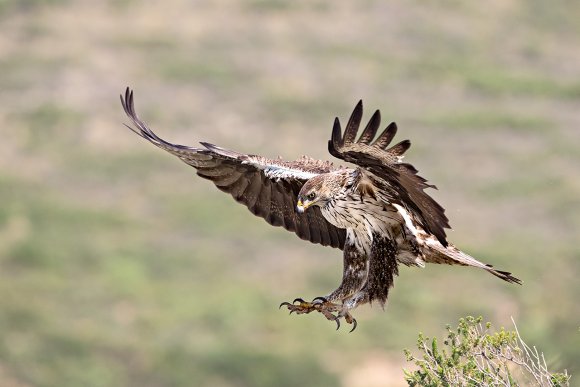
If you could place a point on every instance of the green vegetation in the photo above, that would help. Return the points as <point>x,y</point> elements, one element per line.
<point>473,356</point>
<point>119,267</point>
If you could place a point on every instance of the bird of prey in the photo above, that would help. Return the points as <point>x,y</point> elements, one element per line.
<point>375,211</point>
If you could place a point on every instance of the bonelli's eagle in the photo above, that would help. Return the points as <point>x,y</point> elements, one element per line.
<point>376,212</point>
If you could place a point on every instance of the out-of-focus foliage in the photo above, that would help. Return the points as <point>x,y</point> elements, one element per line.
<point>473,356</point>
<point>119,267</point>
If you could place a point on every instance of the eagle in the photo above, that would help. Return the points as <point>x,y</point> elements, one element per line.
<point>376,211</point>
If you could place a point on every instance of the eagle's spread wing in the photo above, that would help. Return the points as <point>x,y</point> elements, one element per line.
<point>401,181</point>
<point>269,188</point>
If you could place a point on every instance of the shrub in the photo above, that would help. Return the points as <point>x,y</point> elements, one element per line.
<point>474,356</point>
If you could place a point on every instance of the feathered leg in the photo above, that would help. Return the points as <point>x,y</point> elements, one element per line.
<point>354,278</point>
<point>383,268</point>
<point>354,275</point>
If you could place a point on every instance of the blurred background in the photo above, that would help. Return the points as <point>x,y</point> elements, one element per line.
<point>119,267</point>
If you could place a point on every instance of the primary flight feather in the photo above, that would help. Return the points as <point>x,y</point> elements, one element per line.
<point>378,212</point>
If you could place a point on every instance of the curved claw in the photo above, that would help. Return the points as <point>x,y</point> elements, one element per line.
<point>337,320</point>
<point>285,303</point>
<point>321,299</point>
<point>300,300</point>
<point>354,323</point>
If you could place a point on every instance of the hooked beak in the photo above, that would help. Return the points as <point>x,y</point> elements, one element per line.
<point>300,207</point>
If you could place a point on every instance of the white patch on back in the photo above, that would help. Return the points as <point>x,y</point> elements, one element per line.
<point>420,234</point>
<point>407,219</point>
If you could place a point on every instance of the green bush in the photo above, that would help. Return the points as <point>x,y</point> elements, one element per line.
<point>473,356</point>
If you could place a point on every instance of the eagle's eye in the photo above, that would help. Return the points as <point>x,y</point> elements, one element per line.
<point>311,196</point>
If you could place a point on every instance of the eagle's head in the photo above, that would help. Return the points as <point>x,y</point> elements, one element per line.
<point>319,190</point>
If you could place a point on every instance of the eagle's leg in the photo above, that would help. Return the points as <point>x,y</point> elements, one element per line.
<point>383,268</point>
<point>354,275</point>
<point>353,280</point>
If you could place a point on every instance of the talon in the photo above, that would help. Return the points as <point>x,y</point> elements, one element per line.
<point>354,323</point>
<point>319,304</point>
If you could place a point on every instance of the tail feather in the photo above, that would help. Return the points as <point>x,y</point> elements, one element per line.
<point>504,275</point>
<point>451,255</point>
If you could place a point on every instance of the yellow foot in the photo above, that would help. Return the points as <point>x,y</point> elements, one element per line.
<point>322,305</point>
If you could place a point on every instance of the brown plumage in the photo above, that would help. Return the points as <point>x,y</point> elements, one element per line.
<point>377,213</point>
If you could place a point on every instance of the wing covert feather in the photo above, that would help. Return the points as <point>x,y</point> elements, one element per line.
<point>268,188</point>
